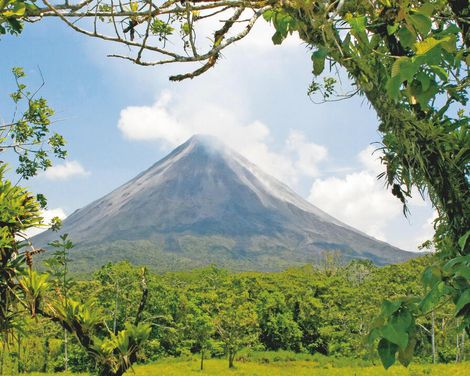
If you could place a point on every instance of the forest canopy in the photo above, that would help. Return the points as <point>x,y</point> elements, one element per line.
<point>212,313</point>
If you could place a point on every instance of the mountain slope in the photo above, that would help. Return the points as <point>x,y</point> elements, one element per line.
<point>205,203</point>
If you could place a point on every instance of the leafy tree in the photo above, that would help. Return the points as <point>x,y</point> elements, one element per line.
<point>57,266</point>
<point>200,328</point>
<point>236,322</point>
<point>18,211</point>
<point>113,353</point>
<point>278,330</point>
<point>28,135</point>
<point>119,284</point>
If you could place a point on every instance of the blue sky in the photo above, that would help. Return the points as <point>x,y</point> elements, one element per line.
<point>121,118</point>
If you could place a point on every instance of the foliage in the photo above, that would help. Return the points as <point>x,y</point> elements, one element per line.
<point>29,134</point>
<point>112,352</point>
<point>236,322</point>
<point>26,134</point>
<point>18,211</point>
<point>27,291</point>
<point>319,314</point>
<point>410,59</point>
<point>11,12</point>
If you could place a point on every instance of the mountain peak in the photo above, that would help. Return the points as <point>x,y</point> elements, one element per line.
<point>202,138</point>
<point>206,143</point>
<point>205,203</point>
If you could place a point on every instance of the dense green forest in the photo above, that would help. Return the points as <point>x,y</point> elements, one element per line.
<point>213,313</point>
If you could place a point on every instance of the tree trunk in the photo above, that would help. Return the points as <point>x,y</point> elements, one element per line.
<point>462,358</point>
<point>231,356</point>
<point>2,360</point>
<point>433,340</point>
<point>46,355</point>
<point>202,358</point>
<point>19,365</point>
<point>115,311</point>
<point>66,355</point>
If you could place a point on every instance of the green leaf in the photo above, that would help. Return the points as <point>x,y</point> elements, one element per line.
<point>426,45</point>
<point>421,22</point>
<point>431,275</point>
<point>424,79</point>
<point>393,87</point>
<point>433,296</point>
<point>455,261</point>
<point>448,43</point>
<point>389,307</point>
<point>425,96</point>
<point>406,355</point>
<point>18,10</point>
<point>391,29</point>
<point>463,240</point>
<point>463,300</point>
<point>387,351</point>
<point>405,68</point>
<point>268,15</point>
<point>463,271</point>
<point>406,37</point>
<point>318,58</point>
<point>391,333</point>
<point>373,335</point>
<point>277,38</point>
<point>402,320</point>
<point>427,9</point>
<point>358,24</point>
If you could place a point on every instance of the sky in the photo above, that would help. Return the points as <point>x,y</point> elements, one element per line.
<point>120,118</point>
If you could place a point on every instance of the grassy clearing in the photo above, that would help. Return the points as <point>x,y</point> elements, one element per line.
<point>297,368</point>
<point>285,363</point>
<point>286,368</point>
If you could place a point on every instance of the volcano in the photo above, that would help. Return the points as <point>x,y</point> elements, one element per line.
<point>206,204</point>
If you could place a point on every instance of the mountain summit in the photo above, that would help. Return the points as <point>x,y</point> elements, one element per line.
<point>205,203</point>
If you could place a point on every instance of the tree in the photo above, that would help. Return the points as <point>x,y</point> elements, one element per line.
<point>236,321</point>
<point>119,284</point>
<point>22,289</point>
<point>113,353</point>
<point>278,330</point>
<point>57,266</point>
<point>28,135</point>
<point>200,328</point>
<point>409,59</point>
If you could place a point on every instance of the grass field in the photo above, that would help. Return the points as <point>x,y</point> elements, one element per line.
<point>297,368</point>
<point>294,368</point>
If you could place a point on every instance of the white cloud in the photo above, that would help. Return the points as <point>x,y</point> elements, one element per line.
<point>47,217</point>
<point>171,121</point>
<point>359,199</point>
<point>426,232</point>
<point>370,159</point>
<point>309,154</point>
<point>65,171</point>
